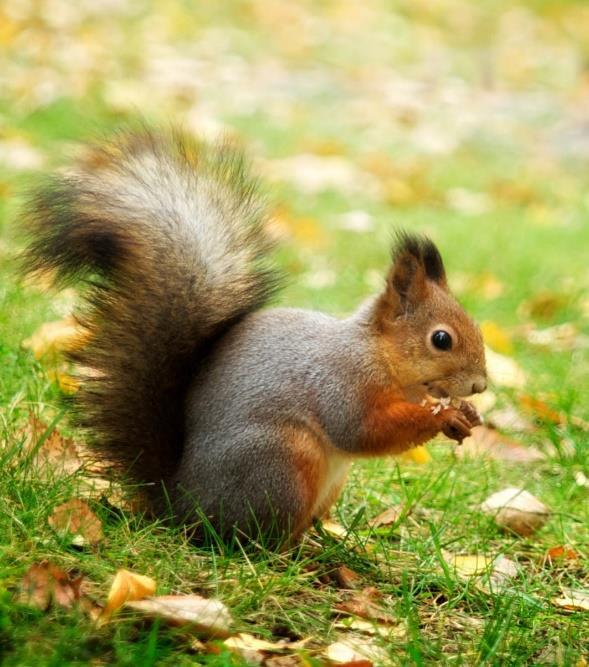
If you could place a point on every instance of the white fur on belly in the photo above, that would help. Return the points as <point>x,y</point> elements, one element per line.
<point>337,471</point>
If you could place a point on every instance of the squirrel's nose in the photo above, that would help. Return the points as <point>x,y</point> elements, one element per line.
<point>479,386</point>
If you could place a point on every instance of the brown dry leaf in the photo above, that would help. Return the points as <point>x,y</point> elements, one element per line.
<point>387,518</point>
<point>346,577</point>
<point>365,604</point>
<point>74,518</point>
<point>487,442</point>
<point>573,600</point>
<point>53,338</point>
<point>56,455</point>
<point>45,583</point>
<point>127,586</point>
<point>206,616</point>
<point>516,510</point>
<point>496,337</point>
<point>560,554</point>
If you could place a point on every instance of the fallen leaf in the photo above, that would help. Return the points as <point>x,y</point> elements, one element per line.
<point>544,305</point>
<point>509,418</point>
<point>387,518</point>
<point>503,570</point>
<point>126,587</point>
<point>573,600</point>
<point>387,631</point>
<point>504,371</point>
<point>494,571</point>
<point>516,510</point>
<point>346,578</point>
<point>468,566</point>
<point>496,337</point>
<point>67,383</point>
<point>44,583</point>
<point>356,652</point>
<point>56,454</point>
<point>560,553</point>
<point>255,651</point>
<point>488,442</point>
<point>417,454</point>
<point>365,604</point>
<point>206,616</point>
<point>560,338</point>
<point>75,519</point>
<point>54,338</point>
<point>243,640</point>
<point>334,528</point>
<point>540,410</point>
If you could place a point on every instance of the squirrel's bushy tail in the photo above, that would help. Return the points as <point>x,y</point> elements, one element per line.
<point>170,236</point>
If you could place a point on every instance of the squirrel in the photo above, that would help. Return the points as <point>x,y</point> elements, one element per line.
<point>231,415</point>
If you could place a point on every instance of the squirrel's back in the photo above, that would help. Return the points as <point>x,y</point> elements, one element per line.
<point>171,237</point>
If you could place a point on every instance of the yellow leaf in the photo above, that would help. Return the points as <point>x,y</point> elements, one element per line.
<point>469,566</point>
<point>56,337</point>
<point>417,455</point>
<point>334,528</point>
<point>67,383</point>
<point>496,338</point>
<point>127,586</point>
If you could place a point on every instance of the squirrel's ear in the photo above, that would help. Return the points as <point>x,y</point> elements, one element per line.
<point>406,284</point>
<point>416,260</point>
<point>412,254</point>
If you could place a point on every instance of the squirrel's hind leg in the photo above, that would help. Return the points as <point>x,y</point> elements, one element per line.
<point>264,483</point>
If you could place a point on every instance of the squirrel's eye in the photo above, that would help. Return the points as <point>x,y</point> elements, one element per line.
<point>441,339</point>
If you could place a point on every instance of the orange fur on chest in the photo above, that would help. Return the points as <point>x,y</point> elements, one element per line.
<point>391,424</point>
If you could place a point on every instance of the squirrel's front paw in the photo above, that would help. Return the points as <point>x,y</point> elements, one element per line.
<point>454,424</point>
<point>471,413</point>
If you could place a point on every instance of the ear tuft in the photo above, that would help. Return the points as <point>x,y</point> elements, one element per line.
<point>424,251</point>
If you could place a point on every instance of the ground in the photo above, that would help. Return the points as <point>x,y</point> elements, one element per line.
<point>465,121</point>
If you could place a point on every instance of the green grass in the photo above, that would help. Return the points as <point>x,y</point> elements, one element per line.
<point>532,237</point>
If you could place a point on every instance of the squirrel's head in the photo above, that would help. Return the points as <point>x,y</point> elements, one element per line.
<point>435,346</point>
